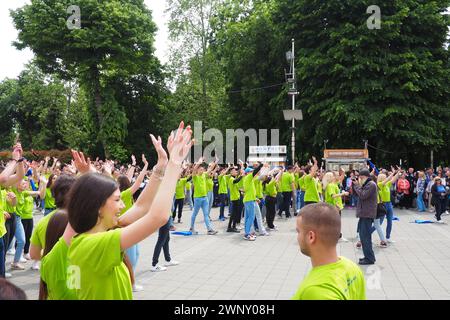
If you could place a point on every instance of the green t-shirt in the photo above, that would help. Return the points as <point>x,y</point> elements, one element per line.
<point>338,201</point>
<point>223,184</point>
<point>249,188</point>
<point>342,280</point>
<point>385,191</point>
<point>102,272</point>
<point>188,186</point>
<point>258,188</point>
<point>49,200</point>
<point>330,190</point>
<point>24,207</point>
<point>179,190</point>
<point>301,183</point>
<point>54,272</point>
<point>199,182</point>
<point>234,189</point>
<point>286,180</point>
<point>271,188</point>
<point>127,198</point>
<point>38,235</point>
<point>6,206</point>
<point>2,216</point>
<point>311,189</point>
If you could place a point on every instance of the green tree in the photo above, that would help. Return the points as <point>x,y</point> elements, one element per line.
<point>115,40</point>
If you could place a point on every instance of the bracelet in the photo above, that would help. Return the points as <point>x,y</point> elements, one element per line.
<point>159,173</point>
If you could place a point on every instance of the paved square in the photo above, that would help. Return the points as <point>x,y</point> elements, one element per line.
<point>226,267</point>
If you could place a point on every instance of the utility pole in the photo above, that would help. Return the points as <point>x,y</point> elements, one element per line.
<point>293,114</point>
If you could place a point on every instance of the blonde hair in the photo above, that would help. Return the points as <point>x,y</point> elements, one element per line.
<point>327,179</point>
<point>421,174</point>
<point>381,177</point>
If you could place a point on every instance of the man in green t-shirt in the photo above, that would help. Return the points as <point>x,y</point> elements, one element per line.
<point>223,191</point>
<point>199,177</point>
<point>332,277</point>
<point>311,183</point>
<point>287,189</point>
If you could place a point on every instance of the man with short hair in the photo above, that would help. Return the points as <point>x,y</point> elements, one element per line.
<point>366,211</point>
<point>332,277</point>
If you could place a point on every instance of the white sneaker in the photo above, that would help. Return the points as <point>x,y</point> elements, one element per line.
<point>446,213</point>
<point>158,268</point>
<point>35,265</point>
<point>440,222</point>
<point>11,252</point>
<point>390,241</point>
<point>137,288</point>
<point>8,275</point>
<point>171,263</point>
<point>27,256</point>
<point>23,260</point>
<point>343,240</point>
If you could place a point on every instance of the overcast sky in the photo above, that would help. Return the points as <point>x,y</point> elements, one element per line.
<point>12,61</point>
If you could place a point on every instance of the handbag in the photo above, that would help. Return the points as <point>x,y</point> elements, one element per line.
<point>381,208</point>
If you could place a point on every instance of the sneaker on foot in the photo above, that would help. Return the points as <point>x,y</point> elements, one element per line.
<point>27,256</point>
<point>383,244</point>
<point>390,241</point>
<point>264,234</point>
<point>249,238</point>
<point>193,231</point>
<point>358,244</point>
<point>212,232</point>
<point>8,275</point>
<point>11,252</point>
<point>35,265</point>
<point>137,288</point>
<point>172,228</point>
<point>157,268</point>
<point>17,266</point>
<point>22,260</point>
<point>171,263</point>
<point>343,240</point>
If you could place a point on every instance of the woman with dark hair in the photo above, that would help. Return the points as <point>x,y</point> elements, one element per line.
<point>54,284</point>
<point>60,190</point>
<point>97,251</point>
<point>438,198</point>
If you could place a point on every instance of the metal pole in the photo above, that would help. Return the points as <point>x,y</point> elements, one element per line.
<point>293,103</point>
<point>432,159</point>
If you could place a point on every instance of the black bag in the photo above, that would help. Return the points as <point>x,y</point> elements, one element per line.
<point>381,210</point>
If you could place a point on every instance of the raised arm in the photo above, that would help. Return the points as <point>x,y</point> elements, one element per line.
<point>132,168</point>
<point>157,216</point>
<point>314,168</point>
<point>7,177</point>
<point>141,176</point>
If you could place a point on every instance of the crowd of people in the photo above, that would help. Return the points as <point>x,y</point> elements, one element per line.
<point>95,211</point>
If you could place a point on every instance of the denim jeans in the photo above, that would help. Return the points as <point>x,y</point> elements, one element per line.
<point>420,203</point>
<point>365,234</point>
<point>133,255</point>
<point>377,226</point>
<point>389,218</point>
<point>249,216</point>
<point>210,196</point>
<point>162,243</point>
<point>258,216</point>
<point>298,202</point>
<point>204,205</point>
<point>2,258</point>
<point>20,239</point>
<point>48,210</point>
<point>189,198</point>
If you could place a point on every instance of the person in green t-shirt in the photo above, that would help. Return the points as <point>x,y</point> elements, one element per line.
<point>311,183</point>
<point>269,186</point>
<point>384,186</point>
<point>47,194</point>
<point>287,188</point>
<point>199,179</point>
<point>223,191</point>
<point>96,253</point>
<point>179,197</point>
<point>37,242</point>
<point>54,266</point>
<point>332,277</point>
<point>234,185</point>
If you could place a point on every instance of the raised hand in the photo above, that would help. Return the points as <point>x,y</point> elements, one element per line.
<point>181,144</point>
<point>80,162</point>
<point>144,160</point>
<point>17,151</point>
<point>162,155</point>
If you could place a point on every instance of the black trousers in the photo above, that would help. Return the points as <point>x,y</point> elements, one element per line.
<point>439,205</point>
<point>286,204</point>
<point>270,210</point>
<point>178,204</point>
<point>235,213</point>
<point>28,227</point>
<point>10,225</point>
<point>162,243</point>
<point>309,202</point>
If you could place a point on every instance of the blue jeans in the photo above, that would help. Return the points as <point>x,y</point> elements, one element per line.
<point>302,199</point>
<point>420,203</point>
<point>204,205</point>
<point>258,218</point>
<point>210,196</point>
<point>377,226</point>
<point>389,217</point>
<point>2,258</point>
<point>365,234</point>
<point>133,255</point>
<point>189,198</point>
<point>249,216</point>
<point>48,210</point>
<point>20,239</point>
<point>162,243</point>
